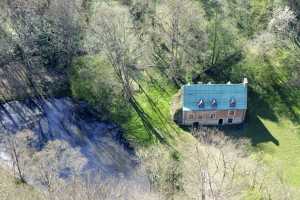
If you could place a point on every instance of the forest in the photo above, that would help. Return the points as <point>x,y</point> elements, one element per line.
<point>122,63</point>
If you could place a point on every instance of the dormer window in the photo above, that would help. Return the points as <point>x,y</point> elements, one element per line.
<point>232,102</point>
<point>214,103</point>
<point>201,103</point>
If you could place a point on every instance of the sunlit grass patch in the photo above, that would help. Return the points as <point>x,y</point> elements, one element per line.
<point>155,97</point>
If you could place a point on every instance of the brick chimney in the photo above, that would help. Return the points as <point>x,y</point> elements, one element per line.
<point>245,81</point>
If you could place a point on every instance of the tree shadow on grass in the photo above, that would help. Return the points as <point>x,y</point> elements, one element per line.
<point>253,127</point>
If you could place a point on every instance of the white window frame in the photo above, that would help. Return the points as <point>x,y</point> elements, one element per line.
<point>213,113</point>
<point>198,116</point>
<point>230,118</point>
<point>189,116</point>
<point>228,114</point>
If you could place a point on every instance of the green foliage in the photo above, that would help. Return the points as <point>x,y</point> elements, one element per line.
<point>268,65</point>
<point>93,80</point>
<point>19,181</point>
<point>155,100</point>
<point>179,39</point>
<point>272,125</point>
<point>260,12</point>
<point>175,156</point>
<point>223,39</point>
<point>184,38</point>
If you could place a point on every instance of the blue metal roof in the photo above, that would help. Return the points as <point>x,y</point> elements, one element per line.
<point>222,93</point>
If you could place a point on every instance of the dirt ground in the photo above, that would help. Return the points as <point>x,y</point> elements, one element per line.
<point>176,108</point>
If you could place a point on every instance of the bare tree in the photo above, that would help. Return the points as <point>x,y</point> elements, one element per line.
<point>179,38</point>
<point>119,44</point>
<point>40,34</point>
<point>282,22</point>
<point>97,187</point>
<point>226,171</point>
<point>216,167</point>
<point>17,165</point>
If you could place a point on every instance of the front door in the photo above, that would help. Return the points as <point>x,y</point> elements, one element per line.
<point>196,125</point>
<point>220,121</point>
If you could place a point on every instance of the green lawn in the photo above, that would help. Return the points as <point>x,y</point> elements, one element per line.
<point>273,127</point>
<point>283,157</point>
<point>153,94</point>
<point>155,99</point>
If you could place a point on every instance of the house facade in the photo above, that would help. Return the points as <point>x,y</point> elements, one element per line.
<point>214,104</point>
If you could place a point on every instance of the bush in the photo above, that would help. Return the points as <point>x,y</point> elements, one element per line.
<point>93,80</point>
<point>268,63</point>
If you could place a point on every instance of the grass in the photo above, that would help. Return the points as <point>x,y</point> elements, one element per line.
<point>90,73</point>
<point>11,189</point>
<point>155,100</point>
<point>272,124</point>
<point>284,157</point>
<point>273,127</point>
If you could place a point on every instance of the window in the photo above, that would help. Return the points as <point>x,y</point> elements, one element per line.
<point>213,116</point>
<point>214,103</point>
<point>200,117</point>
<point>230,120</point>
<point>232,102</point>
<point>231,112</point>
<point>191,116</point>
<point>201,103</point>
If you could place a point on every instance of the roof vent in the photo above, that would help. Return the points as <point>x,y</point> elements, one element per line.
<point>214,103</point>
<point>201,103</point>
<point>232,102</point>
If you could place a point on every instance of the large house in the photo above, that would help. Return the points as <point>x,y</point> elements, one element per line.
<point>214,104</point>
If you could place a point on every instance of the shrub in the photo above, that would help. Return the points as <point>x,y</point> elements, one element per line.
<point>93,80</point>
